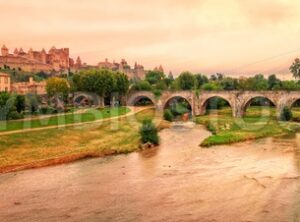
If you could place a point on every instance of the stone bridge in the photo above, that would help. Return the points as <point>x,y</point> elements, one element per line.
<point>238,100</point>
<point>93,98</point>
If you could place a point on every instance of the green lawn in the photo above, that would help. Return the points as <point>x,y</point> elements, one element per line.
<point>258,122</point>
<point>69,118</point>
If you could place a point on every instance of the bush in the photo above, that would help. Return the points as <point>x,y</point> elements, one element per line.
<point>149,133</point>
<point>179,108</point>
<point>211,127</point>
<point>32,102</point>
<point>157,93</point>
<point>286,114</point>
<point>15,115</point>
<point>48,110</point>
<point>168,115</point>
<point>20,103</point>
<point>142,86</point>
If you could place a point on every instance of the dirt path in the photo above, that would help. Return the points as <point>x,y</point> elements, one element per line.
<point>133,110</point>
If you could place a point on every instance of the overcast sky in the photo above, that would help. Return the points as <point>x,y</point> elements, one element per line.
<point>230,36</point>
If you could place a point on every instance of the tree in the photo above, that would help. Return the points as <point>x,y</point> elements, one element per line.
<point>108,82</point>
<point>258,82</point>
<point>20,103</point>
<point>57,86</point>
<point>286,114</point>
<point>142,86</point>
<point>211,86</point>
<point>200,80</point>
<point>161,85</point>
<point>122,83</point>
<point>168,115</point>
<point>6,105</point>
<point>169,80</point>
<point>77,82</point>
<point>228,83</point>
<point>149,133</point>
<point>295,68</point>
<point>154,76</point>
<point>290,85</point>
<point>186,81</point>
<point>273,82</point>
<point>4,96</point>
<point>32,103</point>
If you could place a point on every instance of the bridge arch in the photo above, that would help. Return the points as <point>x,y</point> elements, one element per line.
<point>174,97</point>
<point>168,96</point>
<point>178,105</point>
<point>88,98</point>
<point>205,102</point>
<point>136,96</point>
<point>265,100</point>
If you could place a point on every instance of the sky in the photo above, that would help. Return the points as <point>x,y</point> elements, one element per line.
<point>235,37</point>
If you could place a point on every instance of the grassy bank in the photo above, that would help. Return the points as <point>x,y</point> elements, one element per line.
<point>55,146</point>
<point>70,118</point>
<point>258,122</point>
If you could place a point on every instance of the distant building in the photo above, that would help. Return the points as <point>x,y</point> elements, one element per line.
<point>34,61</point>
<point>31,87</point>
<point>137,72</point>
<point>4,82</point>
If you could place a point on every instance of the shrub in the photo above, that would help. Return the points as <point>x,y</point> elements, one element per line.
<point>149,133</point>
<point>157,93</point>
<point>179,108</point>
<point>32,102</point>
<point>20,103</point>
<point>168,115</point>
<point>15,115</point>
<point>286,114</point>
<point>48,110</point>
<point>142,86</point>
<point>211,127</point>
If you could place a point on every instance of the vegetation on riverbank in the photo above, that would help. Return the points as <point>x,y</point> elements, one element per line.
<point>69,118</point>
<point>56,146</point>
<point>259,122</point>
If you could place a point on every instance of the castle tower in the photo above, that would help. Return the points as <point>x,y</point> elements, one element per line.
<point>44,56</point>
<point>21,51</point>
<point>78,62</point>
<point>30,53</point>
<point>16,52</point>
<point>4,51</point>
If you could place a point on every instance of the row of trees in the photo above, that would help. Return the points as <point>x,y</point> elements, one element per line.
<point>103,82</point>
<point>12,106</point>
<point>189,81</point>
<point>158,81</point>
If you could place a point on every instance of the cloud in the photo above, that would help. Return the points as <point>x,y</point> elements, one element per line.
<point>200,35</point>
<point>261,12</point>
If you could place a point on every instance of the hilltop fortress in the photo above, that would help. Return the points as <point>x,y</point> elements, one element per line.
<point>137,72</point>
<point>55,60</point>
<point>58,61</point>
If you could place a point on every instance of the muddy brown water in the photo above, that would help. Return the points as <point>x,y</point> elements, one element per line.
<point>178,181</point>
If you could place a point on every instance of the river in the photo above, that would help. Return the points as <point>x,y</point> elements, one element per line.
<point>178,181</point>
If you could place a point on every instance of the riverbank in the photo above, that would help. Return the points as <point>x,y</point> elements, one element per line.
<point>259,122</point>
<point>87,115</point>
<point>177,181</point>
<point>56,146</point>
